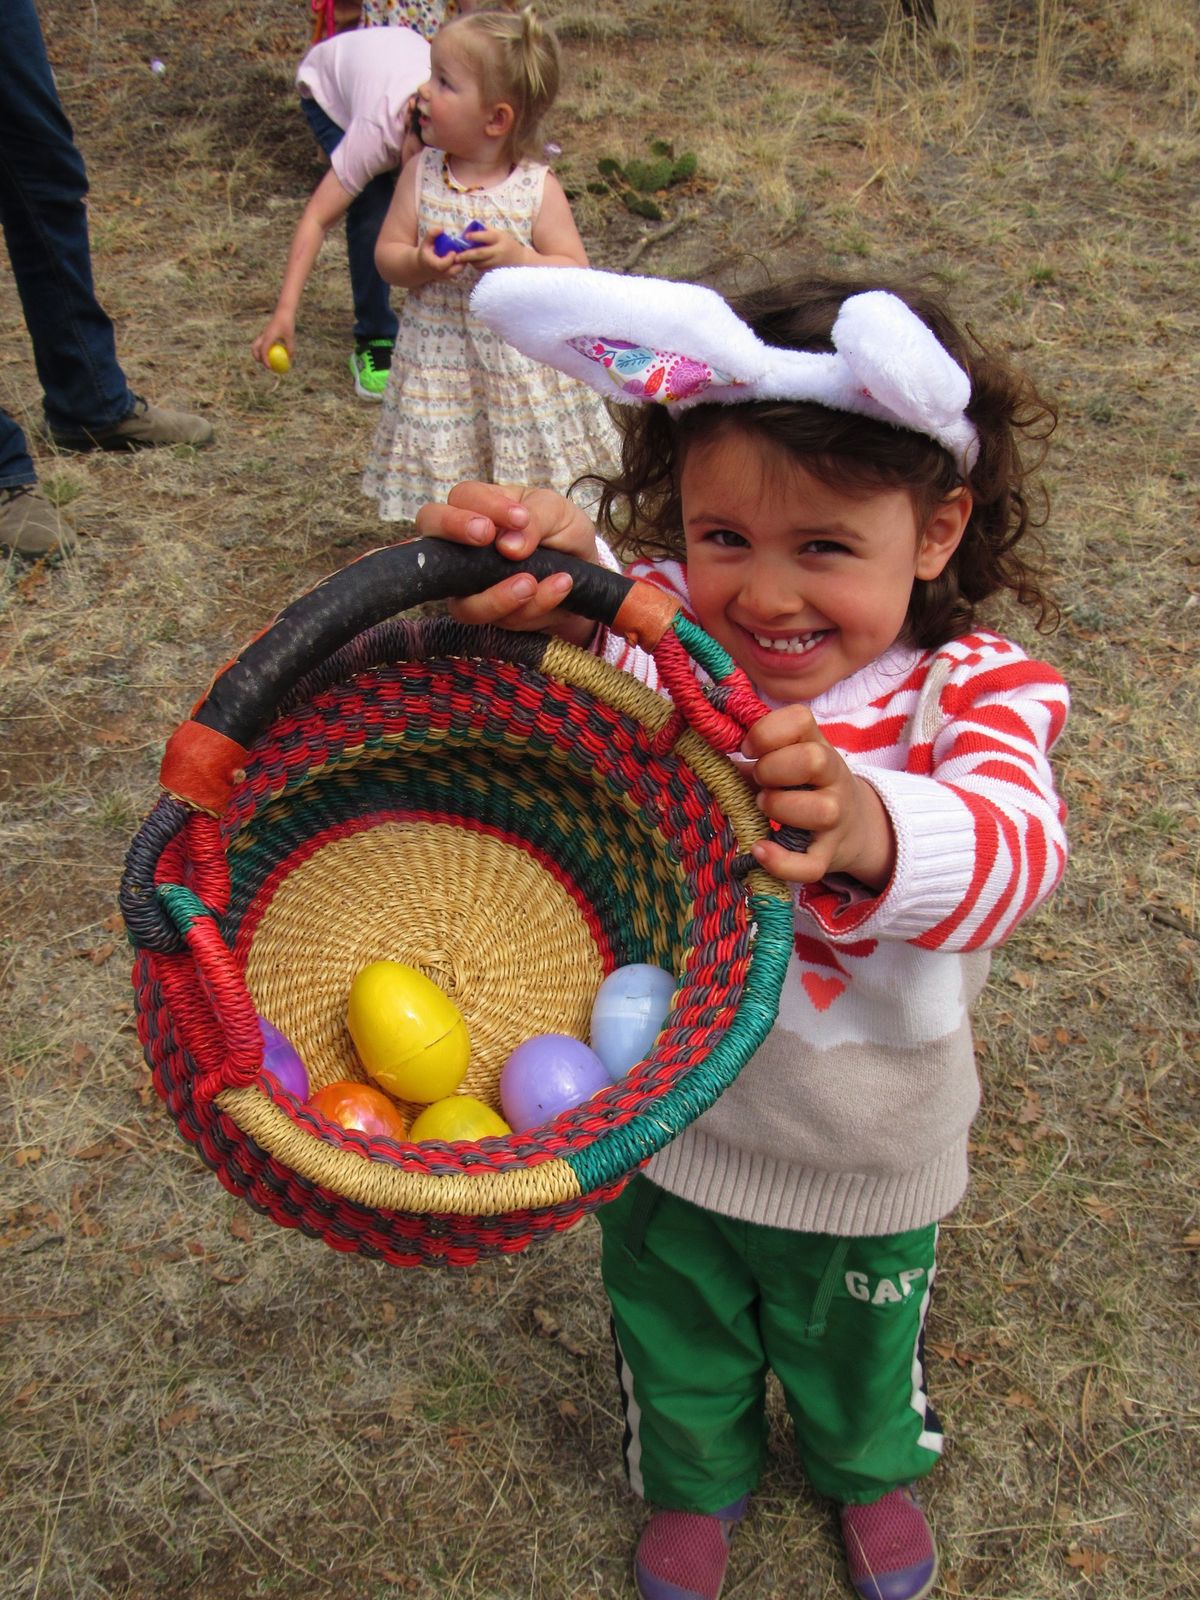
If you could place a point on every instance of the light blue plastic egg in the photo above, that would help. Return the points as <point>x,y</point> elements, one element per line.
<point>627,1014</point>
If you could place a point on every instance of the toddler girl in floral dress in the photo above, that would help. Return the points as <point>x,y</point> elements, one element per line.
<point>461,403</point>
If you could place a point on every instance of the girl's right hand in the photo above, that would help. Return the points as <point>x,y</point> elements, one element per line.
<point>516,519</point>
<point>436,266</point>
<point>280,330</point>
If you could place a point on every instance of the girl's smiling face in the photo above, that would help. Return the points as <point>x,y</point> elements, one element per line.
<point>802,583</point>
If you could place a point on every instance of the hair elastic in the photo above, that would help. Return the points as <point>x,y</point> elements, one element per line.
<point>680,344</point>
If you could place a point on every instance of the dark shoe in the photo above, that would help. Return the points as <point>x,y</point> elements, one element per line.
<point>147,427</point>
<point>370,365</point>
<point>682,1555</point>
<point>30,525</point>
<point>889,1548</point>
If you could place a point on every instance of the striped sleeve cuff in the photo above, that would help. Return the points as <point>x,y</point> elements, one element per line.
<point>936,856</point>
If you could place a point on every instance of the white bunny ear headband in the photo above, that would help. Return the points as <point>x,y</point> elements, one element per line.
<point>648,339</point>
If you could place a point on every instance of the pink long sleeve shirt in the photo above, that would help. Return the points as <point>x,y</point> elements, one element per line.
<point>363,80</point>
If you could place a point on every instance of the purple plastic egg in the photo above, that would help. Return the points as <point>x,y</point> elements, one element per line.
<point>281,1060</point>
<point>546,1075</point>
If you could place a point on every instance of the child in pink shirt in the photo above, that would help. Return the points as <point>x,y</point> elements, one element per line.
<point>356,91</point>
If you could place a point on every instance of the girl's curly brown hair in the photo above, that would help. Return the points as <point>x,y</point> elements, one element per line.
<point>639,506</point>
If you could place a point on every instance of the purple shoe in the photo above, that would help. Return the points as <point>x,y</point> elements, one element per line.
<point>682,1555</point>
<point>889,1548</point>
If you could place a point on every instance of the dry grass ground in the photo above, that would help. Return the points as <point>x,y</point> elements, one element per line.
<point>199,1404</point>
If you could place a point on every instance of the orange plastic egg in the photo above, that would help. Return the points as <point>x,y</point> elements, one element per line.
<point>358,1106</point>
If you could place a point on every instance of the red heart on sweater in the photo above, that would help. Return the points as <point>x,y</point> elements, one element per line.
<point>821,991</point>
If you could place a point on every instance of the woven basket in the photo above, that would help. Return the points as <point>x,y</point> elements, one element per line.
<point>505,812</point>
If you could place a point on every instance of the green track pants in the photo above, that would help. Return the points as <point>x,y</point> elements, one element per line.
<point>703,1305</point>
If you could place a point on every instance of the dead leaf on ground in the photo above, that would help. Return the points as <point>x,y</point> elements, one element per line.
<point>1088,1561</point>
<point>949,1351</point>
<point>178,1418</point>
<point>547,1326</point>
<point>1031,1109</point>
<point>97,954</point>
<point>1100,1209</point>
<point>1020,1400</point>
<point>93,1152</point>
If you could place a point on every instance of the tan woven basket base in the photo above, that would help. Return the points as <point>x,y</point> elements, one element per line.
<point>481,918</point>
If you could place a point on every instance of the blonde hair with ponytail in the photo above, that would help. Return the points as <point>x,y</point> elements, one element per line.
<point>518,62</point>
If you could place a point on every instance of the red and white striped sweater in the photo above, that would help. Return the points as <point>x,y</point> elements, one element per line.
<point>853,1116</point>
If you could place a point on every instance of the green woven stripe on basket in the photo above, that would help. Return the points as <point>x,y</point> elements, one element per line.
<point>623,1148</point>
<point>715,660</point>
<point>621,866</point>
<point>608,848</point>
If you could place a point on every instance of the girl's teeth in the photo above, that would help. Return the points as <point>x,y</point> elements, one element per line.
<point>788,647</point>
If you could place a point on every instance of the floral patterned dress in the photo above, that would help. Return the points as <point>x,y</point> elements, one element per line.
<point>426,16</point>
<point>460,402</point>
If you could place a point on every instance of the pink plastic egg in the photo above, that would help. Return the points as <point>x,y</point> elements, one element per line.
<point>282,1061</point>
<point>546,1075</point>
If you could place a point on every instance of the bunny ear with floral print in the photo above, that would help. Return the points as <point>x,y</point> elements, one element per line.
<point>639,340</point>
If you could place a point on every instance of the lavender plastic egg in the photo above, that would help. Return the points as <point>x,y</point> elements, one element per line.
<point>282,1061</point>
<point>546,1075</point>
<point>629,1009</point>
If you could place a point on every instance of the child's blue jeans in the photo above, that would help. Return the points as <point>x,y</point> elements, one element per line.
<point>373,314</point>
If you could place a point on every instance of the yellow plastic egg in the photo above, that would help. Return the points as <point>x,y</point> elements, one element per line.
<point>458,1116</point>
<point>410,1037</point>
<point>278,359</point>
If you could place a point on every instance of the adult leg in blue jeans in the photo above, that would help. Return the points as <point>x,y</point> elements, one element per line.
<point>375,322</point>
<point>86,400</point>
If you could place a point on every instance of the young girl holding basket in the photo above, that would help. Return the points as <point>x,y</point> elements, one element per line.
<point>835,485</point>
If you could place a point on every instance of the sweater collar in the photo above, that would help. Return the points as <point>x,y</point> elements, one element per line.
<point>879,677</point>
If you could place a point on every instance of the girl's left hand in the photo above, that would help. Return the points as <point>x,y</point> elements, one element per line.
<point>804,782</point>
<point>495,249</point>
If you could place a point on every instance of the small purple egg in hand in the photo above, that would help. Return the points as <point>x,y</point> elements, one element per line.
<point>546,1075</point>
<point>282,1061</point>
<point>630,1007</point>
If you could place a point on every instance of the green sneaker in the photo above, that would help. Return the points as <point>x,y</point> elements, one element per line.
<point>370,364</point>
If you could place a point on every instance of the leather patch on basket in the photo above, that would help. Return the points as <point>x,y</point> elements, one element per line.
<point>199,764</point>
<point>645,614</point>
